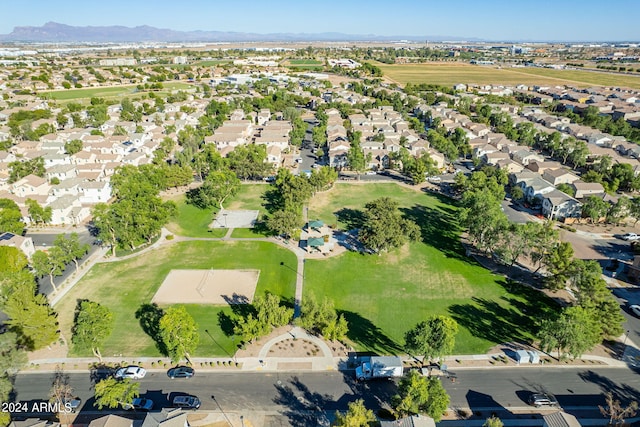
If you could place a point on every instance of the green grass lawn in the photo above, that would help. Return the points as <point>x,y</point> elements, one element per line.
<point>384,296</point>
<point>305,62</point>
<point>194,222</point>
<point>451,73</point>
<point>107,92</point>
<point>125,286</point>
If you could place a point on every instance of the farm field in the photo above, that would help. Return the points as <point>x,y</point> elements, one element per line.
<point>383,296</point>
<point>448,74</point>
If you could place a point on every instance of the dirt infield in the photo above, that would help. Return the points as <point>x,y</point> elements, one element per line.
<point>208,287</point>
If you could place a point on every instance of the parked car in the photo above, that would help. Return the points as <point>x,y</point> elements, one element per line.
<point>635,309</point>
<point>132,372</point>
<point>186,402</point>
<point>72,404</point>
<point>630,237</point>
<point>542,399</point>
<point>181,372</point>
<point>139,404</point>
<point>370,173</point>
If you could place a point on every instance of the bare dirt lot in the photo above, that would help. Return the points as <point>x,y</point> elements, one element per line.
<point>208,287</point>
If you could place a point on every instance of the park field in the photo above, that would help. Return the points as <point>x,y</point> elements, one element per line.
<point>449,74</point>
<point>125,286</point>
<point>383,296</point>
<point>107,92</point>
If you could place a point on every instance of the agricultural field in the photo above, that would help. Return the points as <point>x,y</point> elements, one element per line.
<point>448,74</point>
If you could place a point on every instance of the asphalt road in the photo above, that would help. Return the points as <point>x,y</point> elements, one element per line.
<point>577,389</point>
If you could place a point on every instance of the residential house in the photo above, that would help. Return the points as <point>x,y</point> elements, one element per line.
<point>560,419</point>
<point>524,157</point>
<point>61,172</point>
<point>167,417</point>
<point>37,422</point>
<point>112,421</point>
<point>30,185</point>
<point>494,157</point>
<point>68,210</point>
<point>559,176</point>
<point>509,165</point>
<point>558,205</point>
<point>274,155</point>
<point>586,189</point>
<point>92,192</point>
<point>536,188</point>
<point>24,244</point>
<point>410,421</point>
<point>541,166</point>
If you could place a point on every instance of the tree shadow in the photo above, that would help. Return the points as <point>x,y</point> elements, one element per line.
<point>303,407</point>
<point>623,392</point>
<point>439,228</point>
<point>272,199</point>
<point>351,218</point>
<point>368,335</point>
<point>489,320</point>
<point>227,323</point>
<point>235,299</point>
<point>149,316</point>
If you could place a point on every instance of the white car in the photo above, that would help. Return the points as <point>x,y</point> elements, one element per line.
<point>635,309</point>
<point>630,237</point>
<point>131,372</point>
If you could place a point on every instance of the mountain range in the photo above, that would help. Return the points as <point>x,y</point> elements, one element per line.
<point>56,33</point>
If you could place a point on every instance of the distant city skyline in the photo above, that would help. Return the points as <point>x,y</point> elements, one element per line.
<point>492,20</point>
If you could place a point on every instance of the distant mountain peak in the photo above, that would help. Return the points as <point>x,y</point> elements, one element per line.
<point>57,32</point>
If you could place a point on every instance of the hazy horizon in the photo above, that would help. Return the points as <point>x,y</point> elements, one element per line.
<point>491,20</point>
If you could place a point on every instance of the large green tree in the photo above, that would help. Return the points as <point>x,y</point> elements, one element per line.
<point>216,188</point>
<point>112,393</point>
<point>72,248</point>
<point>357,415</point>
<point>12,259</point>
<point>385,227</point>
<point>179,332</point>
<point>12,356</point>
<point>49,263</point>
<point>418,394</point>
<point>575,331</point>
<point>92,326</point>
<point>10,217</point>
<point>284,222</point>
<point>432,338</point>
<point>30,315</point>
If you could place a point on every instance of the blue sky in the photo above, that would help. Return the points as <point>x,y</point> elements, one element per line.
<point>612,20</point>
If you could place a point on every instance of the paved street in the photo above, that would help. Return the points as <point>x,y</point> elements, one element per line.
<point>578,389</point>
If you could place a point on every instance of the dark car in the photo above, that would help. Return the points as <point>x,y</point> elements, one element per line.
<point>542,399</point>
<point>186,402</point>
<point>181,372</point>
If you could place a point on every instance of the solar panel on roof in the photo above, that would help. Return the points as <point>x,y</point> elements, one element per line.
<point>6,236</point>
